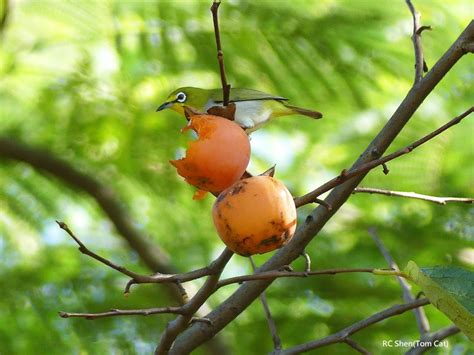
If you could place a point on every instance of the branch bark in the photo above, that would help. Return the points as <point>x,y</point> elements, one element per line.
<point>248,292</point>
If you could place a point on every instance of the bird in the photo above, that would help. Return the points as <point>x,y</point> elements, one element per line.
<point>253,108</point>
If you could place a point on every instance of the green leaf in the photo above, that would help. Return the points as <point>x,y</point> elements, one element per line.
<point>450,289</point>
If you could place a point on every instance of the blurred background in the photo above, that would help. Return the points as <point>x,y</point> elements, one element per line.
<point>81,80</point>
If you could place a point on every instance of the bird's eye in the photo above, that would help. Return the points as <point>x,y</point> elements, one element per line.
<point>181,97</point>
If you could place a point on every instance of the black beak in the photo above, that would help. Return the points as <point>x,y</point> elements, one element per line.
<point>164,106</point>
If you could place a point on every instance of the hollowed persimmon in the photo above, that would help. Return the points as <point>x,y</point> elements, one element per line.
<point>255,215</point>
<point>218,157</point>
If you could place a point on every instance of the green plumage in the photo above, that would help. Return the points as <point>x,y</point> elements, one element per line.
<point>253,108</point>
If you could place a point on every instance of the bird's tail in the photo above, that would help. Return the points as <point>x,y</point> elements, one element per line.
<point>305,112</point>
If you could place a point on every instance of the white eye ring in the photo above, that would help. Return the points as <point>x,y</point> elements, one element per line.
<point>181,97</point>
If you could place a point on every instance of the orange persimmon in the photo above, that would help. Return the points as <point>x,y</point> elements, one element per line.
<point>255,215</point>
<point>219,156</point>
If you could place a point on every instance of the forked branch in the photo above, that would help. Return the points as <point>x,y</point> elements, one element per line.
<point>346,175</point>
<point>420,65</point>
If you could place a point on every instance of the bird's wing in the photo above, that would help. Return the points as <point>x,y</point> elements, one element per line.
<point>237,95</point>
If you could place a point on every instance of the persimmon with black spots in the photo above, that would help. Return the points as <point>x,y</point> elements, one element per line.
<point>255,215</point>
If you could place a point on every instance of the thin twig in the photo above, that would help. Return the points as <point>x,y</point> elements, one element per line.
<point>170,278</point>
<point>220,53</point>
<point>271,323</point>
<point>353,344</point>
<point>346,175</point>
<point>271,275</point>
<point>414,195</point>
<point>342,335</point>
<point>135,277</point>
<point>123,312</point>
<point>420,315</point>
<point>84,250</point>
<point>430,340</point>
<point>416,37</point>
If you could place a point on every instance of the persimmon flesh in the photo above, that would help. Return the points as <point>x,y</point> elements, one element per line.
<point>219,156</point>
<point>255,215</point>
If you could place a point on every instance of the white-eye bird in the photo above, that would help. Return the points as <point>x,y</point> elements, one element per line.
<point>253,108</point>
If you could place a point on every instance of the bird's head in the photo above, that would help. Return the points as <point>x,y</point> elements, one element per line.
<point>194,98</point>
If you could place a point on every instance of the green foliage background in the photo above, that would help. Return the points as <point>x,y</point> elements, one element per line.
<point>83,79</point>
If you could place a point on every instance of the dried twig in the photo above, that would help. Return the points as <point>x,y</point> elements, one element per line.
<point>430,340</point>
<point>220,53</point>
<point>346,175</point>
<point>421,319</point>
<point>414,195</point>
<point>271,323</point>
<point>123,312</point>
<point>140,278</point>
<point>342,335</point>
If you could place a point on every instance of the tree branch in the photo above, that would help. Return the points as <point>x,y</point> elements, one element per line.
<point>430,340</point>
<point>220,53</point>
<point>364,168</point>
<point>414,195</point>
<point>272,275</point>
<point>342,335</point>
<point>420,316</point>
<point>416,38</point>
<point>248,292</point>
<point>140,278</point>
<point>123,312</point>
<point>83,249</point>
